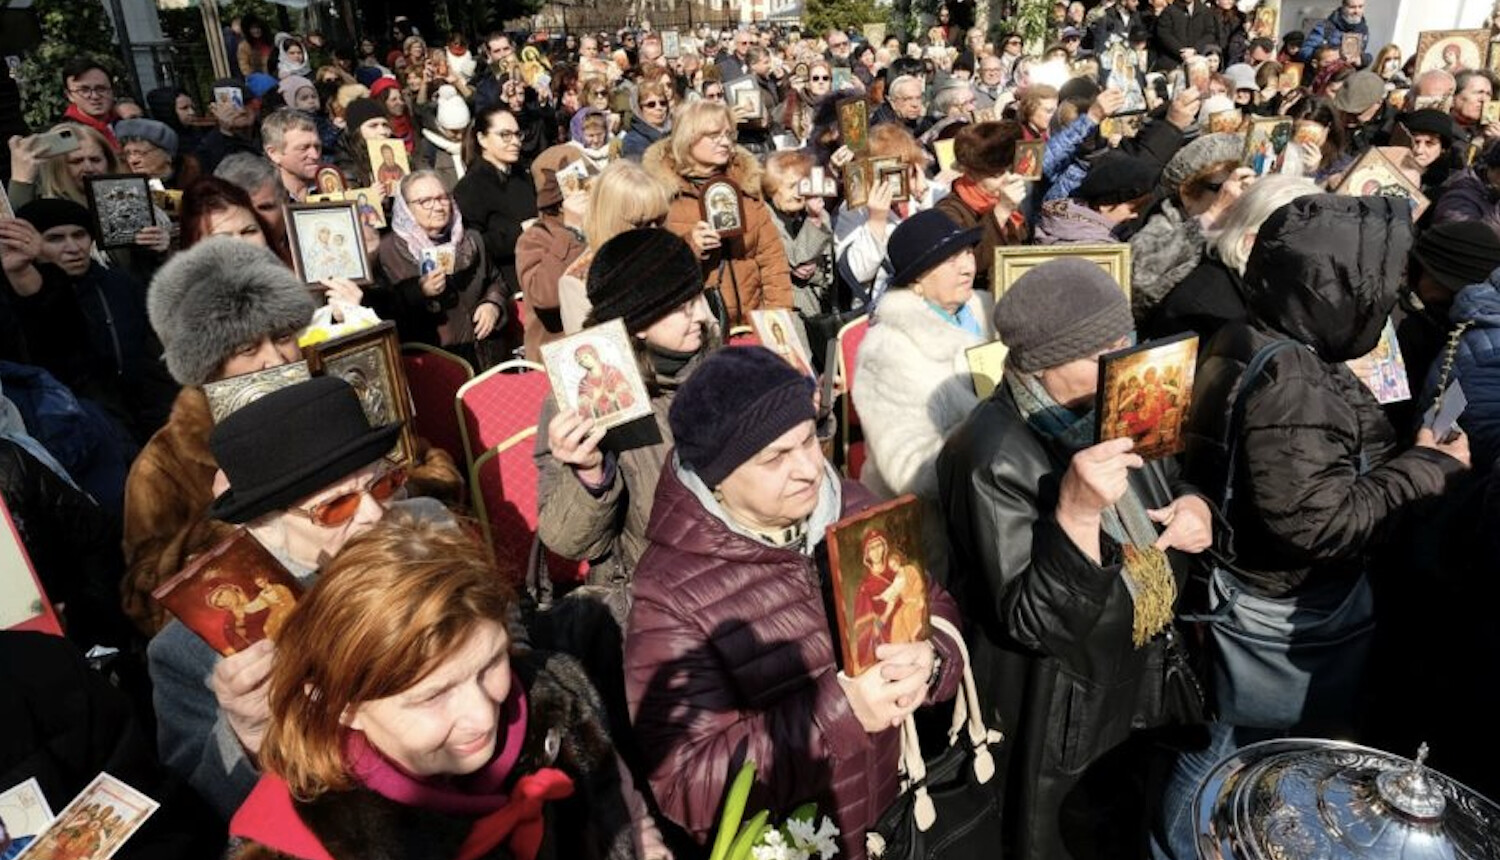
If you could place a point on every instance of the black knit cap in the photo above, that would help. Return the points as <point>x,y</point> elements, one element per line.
<point>641,276</point>
<point>1116,178</point>
<point>48,212</point>
<point>1062,310</point>
<point>361,111</point>
<point>738,401</point>
<point>1458,253</point>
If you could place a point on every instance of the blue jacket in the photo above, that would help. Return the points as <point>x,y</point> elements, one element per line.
<point>639,137</point>
<point>1476,366</point>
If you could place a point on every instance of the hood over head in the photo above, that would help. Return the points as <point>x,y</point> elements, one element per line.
<point>1327,269</point>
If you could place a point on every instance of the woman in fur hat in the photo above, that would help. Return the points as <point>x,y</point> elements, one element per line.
<point>223,308</point>
<point>433,737</point>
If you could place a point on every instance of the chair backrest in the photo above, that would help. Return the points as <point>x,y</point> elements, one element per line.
<point>435,376</point>
<point>499,403</point>
<point>504,486</point>
<point>849,339</point>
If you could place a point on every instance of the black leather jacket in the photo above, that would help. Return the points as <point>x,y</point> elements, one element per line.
<point>1049,631</point>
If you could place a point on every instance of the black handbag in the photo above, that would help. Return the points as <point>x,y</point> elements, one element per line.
<point>949,806</point>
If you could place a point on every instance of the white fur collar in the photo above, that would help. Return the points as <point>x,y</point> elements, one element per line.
<point>932,335</point>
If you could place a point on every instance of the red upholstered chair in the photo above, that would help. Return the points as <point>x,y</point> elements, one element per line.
<point>499,403</point>
<point>849,339</point>
<point>435,376</point>
<point>504,481</point>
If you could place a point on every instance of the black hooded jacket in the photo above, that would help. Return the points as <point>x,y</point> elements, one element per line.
<point>1319,475</point>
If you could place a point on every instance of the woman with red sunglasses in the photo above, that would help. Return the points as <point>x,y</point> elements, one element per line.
<point>304,472</point>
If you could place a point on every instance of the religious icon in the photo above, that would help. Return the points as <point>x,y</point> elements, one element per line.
<point>233,595</point>
<point>1145,392</point>
<point>722,207</point>
<point>595,373</point>
<point>879,580</point>
<point>777,331</point>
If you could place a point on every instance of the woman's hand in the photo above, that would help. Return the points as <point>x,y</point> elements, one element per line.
<point>20,244</point>
<point>486,316</point>
<point>26,157</point>
<point>888,692</point>
<point>1012,194</point>
<point>879,201</point>
<point>239,685</point>
<point>1457,447</point>
<point>343,290</point>
<point>1312,157</point>
<point>574,441</point>
<point>1189,525</point>
<point>705,239</point>
<point>1096,478</point>
<point>434,282</point>
<point>841,156</point>
<point>817,208</point>
<point>154,237</point>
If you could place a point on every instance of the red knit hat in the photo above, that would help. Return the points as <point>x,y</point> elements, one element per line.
<point>381,85</point>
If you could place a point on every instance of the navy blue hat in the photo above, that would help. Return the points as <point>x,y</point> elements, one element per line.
<point>738,401</point>
<point>924,240</point>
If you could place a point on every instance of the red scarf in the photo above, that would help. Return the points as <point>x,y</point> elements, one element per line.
<point>973,196</point>
<point>73,114</point>
<point>402,128</point>
<point>269,817</point>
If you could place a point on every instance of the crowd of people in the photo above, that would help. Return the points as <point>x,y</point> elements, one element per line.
<point>418,702</point>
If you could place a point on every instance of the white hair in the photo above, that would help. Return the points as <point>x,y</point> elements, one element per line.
<point>1234,236</point>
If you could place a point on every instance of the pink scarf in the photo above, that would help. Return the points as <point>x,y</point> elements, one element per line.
<point>404,224</point>
<point>476,793</point>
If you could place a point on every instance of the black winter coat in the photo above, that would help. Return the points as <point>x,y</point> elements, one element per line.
<point>1320,476</point>
<point>495,204</point>
<point>1049,631</point>
<point>1177,28</point>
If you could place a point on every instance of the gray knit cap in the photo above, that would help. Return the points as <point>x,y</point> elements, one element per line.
<point>1062,310</point>
<point>1206,150</point>
<point>218,296</point>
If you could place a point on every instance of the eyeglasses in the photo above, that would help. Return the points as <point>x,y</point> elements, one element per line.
<point>821,78</point>
<point>428,202</point>
<point>341,508</point>
<point>93,92</point>
<point>506,134</point>
<point>597,94</point>
<point>838,44</point>
<point>718,97</point>
<point>723,134</point>
<point>138,151</point>
<point>653,104</point>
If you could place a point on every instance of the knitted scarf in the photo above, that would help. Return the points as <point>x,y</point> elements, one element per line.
<point>973,196</point>
<point>454,148</point>
<point>1147,574</point>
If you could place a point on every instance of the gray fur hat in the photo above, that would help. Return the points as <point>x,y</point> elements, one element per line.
<point>1206,150</point>
<point>217,296</point>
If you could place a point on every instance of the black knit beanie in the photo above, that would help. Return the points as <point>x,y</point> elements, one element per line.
<point>641,276</point>
<point>1060,311</point>
<point>1458,253</point>
<point>738,401</point>
<point>48,212</point>
<point>361,111</point>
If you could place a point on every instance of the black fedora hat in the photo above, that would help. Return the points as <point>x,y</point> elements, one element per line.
<point>292,443</point>
<point>923,241</point>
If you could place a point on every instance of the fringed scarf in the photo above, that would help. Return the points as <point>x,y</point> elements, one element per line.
<point>1146,571</point>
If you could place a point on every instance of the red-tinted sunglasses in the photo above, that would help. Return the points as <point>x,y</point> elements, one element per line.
<point>341,508</point>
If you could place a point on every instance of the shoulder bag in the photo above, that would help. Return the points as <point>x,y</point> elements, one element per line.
<point>949,806</point>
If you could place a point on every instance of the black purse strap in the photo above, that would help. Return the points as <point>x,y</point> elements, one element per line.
<point>1248,380</point>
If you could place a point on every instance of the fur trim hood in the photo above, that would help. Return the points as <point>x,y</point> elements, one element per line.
<point>218,296</point>
<point>744,169</point>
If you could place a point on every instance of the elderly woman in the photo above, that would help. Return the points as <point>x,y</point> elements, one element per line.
<point>1056,551</point>
<point>911,380</point>
<point>1320,477</point>
<point>306,473</point>
<point>461,310</point>
<point>806,230</point>
<point>861,232</point>
<point>621,198</point>
<point>403,711</point>
<point>151,148</point>
<point>749,271</point>
<point>593,505</point>
<point>1211,295</point>
<point>650,117</point>
<point>223,308</point>
<point>729,656</point>
<point>1200,182</point>
<point>987,195</point>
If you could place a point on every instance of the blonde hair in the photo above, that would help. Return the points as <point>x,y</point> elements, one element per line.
<point>693,120</point>
<point>390,607</point>
<point>892,140</point>
<point>346,94</point>
<point>783,167</point>
<point>623,197</point>
<point>58,181</point>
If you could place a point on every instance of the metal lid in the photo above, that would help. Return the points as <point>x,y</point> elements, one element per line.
<point>1303,799</point>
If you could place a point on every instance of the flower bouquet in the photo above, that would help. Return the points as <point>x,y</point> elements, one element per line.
<point>799,837</point>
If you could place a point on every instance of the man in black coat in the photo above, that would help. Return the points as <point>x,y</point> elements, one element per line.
<point>1063,655</point>
<point>1182,27</point>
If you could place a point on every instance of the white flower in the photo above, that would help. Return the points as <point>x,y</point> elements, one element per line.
<point>802,832</point>
<point>823,841</point>
<point>771,846</point>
